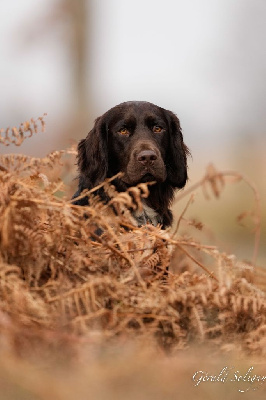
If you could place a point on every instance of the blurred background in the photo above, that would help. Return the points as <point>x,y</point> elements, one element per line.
<point>204,60</point>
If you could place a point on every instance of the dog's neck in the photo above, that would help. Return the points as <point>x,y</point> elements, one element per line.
<point>148,216</point>
<point>156,209</point>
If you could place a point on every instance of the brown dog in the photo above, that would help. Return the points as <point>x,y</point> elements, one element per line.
<point>144,142</point>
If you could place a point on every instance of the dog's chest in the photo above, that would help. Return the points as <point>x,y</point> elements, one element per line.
<point>147,216</point>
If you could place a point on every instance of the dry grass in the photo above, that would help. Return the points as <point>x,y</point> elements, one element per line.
<point>63,289</point>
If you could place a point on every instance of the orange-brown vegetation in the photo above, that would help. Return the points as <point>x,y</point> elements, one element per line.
<point>63,288</point>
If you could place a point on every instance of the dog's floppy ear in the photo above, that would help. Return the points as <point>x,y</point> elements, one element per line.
<point>176,162</point>
<point>93,157</point>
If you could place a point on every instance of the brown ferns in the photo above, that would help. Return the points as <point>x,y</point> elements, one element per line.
<point>57,275</point>
<point>25,130</point>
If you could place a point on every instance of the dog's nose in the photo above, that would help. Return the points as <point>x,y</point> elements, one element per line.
<point>146,157</point>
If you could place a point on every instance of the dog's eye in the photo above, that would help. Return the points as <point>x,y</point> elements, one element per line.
<point>157,129</point>
<point>123,131</point>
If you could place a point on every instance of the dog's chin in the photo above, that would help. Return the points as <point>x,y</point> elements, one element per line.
<point>145,178</point>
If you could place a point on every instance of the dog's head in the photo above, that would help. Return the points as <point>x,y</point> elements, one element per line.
<point>141,140</point>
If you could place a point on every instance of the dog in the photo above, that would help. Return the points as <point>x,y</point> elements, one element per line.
<point>145,143</point>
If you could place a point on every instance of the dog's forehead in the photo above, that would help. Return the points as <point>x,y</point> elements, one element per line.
<point>134,109</point>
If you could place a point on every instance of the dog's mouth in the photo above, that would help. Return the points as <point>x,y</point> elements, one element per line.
<point>144,175</point>
<point>147,178</point>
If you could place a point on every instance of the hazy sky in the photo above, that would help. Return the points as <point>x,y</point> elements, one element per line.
<point>205,60</point>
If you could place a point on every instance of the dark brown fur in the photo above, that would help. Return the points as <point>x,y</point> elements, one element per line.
<point>126,139</point>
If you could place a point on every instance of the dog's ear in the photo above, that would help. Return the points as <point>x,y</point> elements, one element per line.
<point>93,157</point>
<point>176,162</point>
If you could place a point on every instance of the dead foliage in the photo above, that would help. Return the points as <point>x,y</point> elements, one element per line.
<point>25,130</point>
<point>60,282</point>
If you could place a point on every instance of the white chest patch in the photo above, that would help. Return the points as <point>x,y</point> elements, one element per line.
<point>147,216</point>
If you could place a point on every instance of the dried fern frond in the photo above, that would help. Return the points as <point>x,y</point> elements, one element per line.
<point>25,130</point>
<point>216,181</point>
